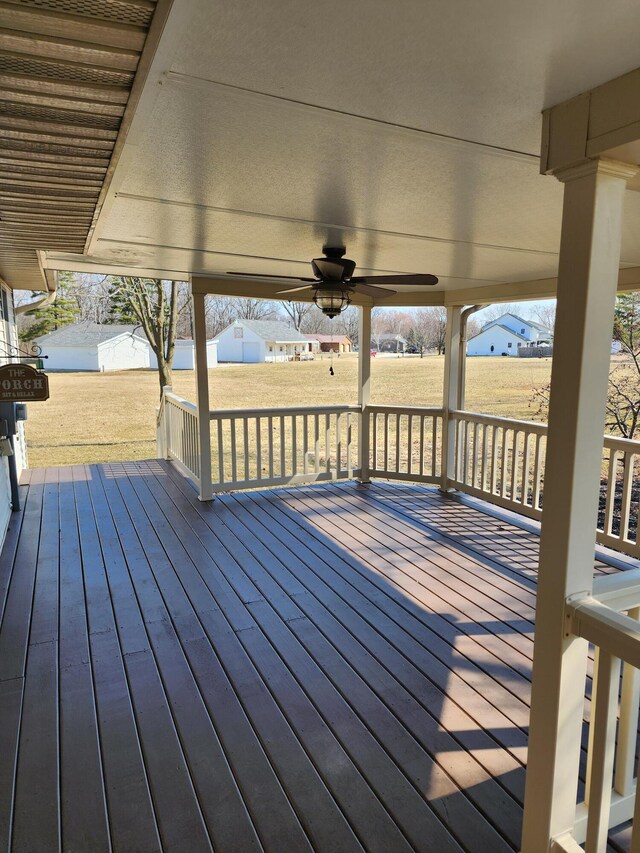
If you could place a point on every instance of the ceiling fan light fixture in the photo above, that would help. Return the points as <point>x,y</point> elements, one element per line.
<point>332,300</point>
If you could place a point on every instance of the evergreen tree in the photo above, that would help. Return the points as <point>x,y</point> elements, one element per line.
<point>120,308</point>
<point>62,311</point>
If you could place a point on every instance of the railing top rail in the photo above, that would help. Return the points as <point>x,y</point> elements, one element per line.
<point>530,426</point>
<point>419,410</point>
<point>612,442</point>
<point>218,414</point>
<point>170,397</point>
<point>599,624</point>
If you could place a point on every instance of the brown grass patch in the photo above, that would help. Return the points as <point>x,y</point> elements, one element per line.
<point>104,417</point>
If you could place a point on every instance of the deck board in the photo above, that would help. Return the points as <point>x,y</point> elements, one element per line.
<point>330,667</point>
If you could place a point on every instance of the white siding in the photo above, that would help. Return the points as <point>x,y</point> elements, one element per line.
<point>502,341</point>
<point>71,358</point>
<point>183,358</point>
<point>230,347</point>
<point>126,352</point>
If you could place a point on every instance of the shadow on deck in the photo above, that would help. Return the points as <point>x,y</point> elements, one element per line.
<point>332,667</point>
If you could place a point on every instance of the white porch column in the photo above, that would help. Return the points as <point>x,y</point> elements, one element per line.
<point>202,394</point>
<point>364,388</point>
<point>451,392</point>
<point>587,280</point>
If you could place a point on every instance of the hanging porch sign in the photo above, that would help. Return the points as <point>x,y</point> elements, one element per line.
<point>22,383</point>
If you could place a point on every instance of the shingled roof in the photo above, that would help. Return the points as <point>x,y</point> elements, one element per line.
<point>86,334</point>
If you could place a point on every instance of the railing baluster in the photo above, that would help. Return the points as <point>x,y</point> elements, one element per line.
<point>494,460</point>
<point>465,452</point>
<point>338,444</point>
<point>270,428</point>
<point>349,448</point>
<point>234,455</point>
<point>386,442</point>
<point>245,438</point>
<point>218,424</point>
<point>627,486</point>
<point>294,445</point>
<point>258,448</point>
<point>316,466</point>
<point>397,442</point>
<point>602,733</point>
<point>514,464</point>
<point>474,455</point>
<point>503,462</point>
<point>624,779</point>
<point>611,492</point>
<point>524,492</point>
<point>283,455</point>
<point>327,443</point>
<point>374,442</point>
<point>410,444</point>
<point>305,444</point>
<point>537,473</point>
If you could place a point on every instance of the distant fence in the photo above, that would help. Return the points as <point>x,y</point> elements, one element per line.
<point>535,352</point>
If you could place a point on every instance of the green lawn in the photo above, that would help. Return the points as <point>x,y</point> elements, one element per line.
<point>99,417</point>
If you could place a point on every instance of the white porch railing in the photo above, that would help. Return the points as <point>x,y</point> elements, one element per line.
<point>502,461</point>
<point>270,447</point>
<point>609,620</point>
<point>405,443</point>
<point>177,434</point>
<point>499,460</point>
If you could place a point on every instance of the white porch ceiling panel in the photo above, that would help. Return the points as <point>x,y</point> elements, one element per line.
<point>409,131</point>
<point>66,72</point>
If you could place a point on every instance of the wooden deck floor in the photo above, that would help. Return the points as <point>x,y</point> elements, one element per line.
<point>332,668</point>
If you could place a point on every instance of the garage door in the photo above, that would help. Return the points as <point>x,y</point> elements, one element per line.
<point>250,352</point>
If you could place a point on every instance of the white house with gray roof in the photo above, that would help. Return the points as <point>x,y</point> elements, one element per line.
<point>507,334</point>
<point>256,341</point>
<point>95,347</point>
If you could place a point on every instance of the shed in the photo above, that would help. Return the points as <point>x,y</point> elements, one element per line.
<point>95,347</point>
<point>184,355</point>
<point>255,341</point>
<point>332,343</point>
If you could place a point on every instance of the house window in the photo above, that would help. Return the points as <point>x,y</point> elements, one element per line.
<point>281,349</point>
<point>238,331</point>
<point>492,347</point>
<point>522,331</point>
<point>519,344</point>
<point>509,344</point>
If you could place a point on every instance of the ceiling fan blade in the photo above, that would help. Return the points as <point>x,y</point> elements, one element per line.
<point>417,279</point>
<point>296,289</point>
<point>373,291</point>
<point>268,275</point>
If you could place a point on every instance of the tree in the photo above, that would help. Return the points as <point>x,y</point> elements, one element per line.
<point>297,312</point>
<point>154,304</point>
<point>623,395</point>
<point>545,314</point>
<point>417,339</point>
<point>254,309</point>
<point>62,311</point>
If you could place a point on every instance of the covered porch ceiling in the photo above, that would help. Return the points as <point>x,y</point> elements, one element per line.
<point>264,131</point>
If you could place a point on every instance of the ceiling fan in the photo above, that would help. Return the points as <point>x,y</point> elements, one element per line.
<point>334,282</point>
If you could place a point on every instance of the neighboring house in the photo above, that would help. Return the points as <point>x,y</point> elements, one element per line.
<point>255,341</point>
<point>391,343</point>
<point>184,355</point>
<point>331,343</point>
<point>92,346</point>
<point>507,334</point>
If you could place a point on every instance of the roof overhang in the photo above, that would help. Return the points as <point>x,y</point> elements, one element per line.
<point>264,158</point>
<point>70,79</point>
